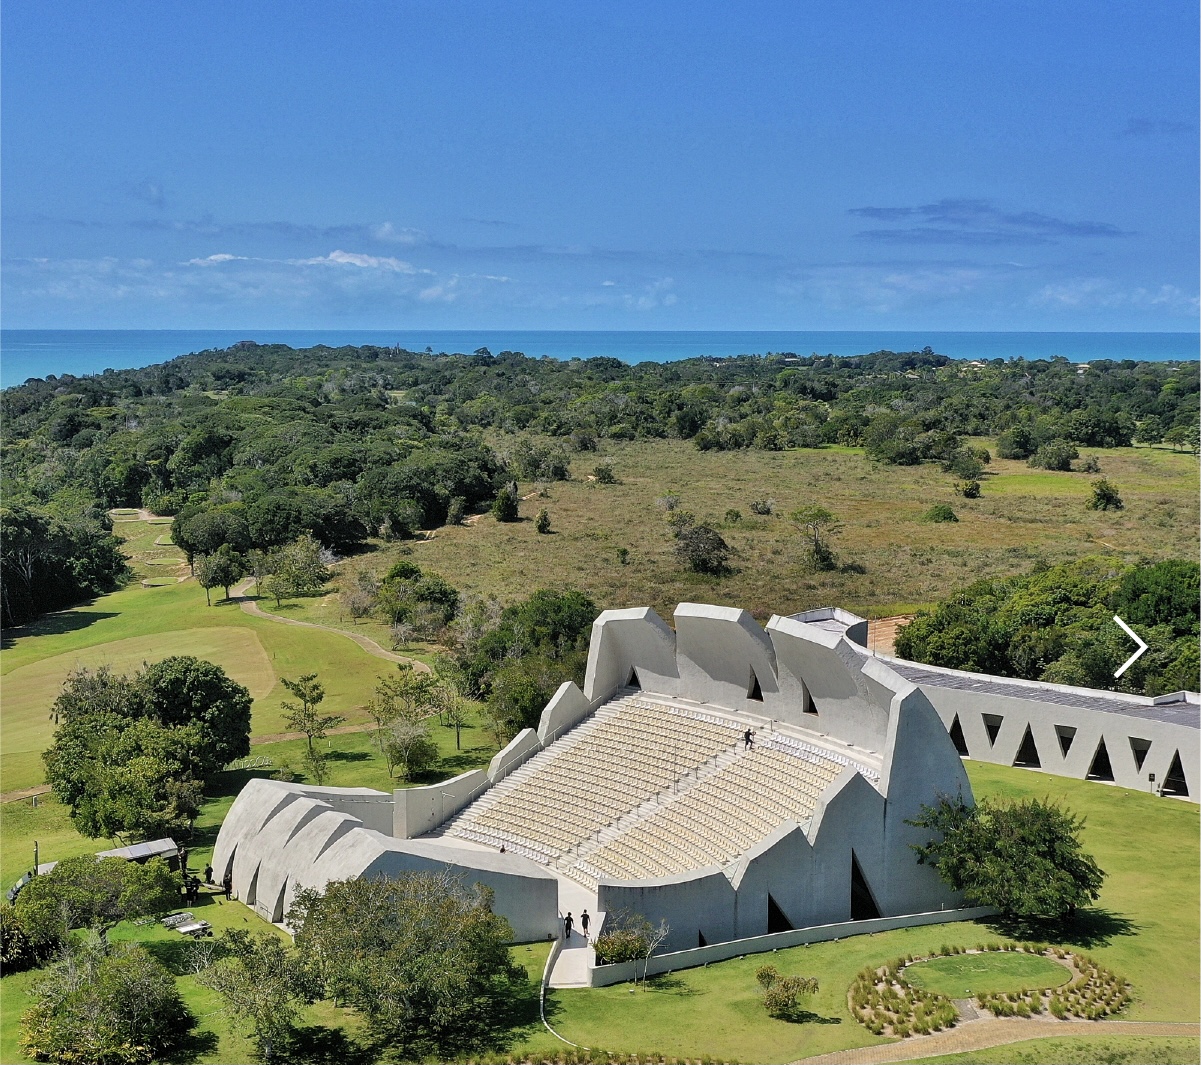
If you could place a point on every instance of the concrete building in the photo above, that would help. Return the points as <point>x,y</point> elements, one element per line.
<point>643,793</point>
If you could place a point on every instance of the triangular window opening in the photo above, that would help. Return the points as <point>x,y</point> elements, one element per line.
<point>634,682</point>
<point>1139,749</point>
<point>807,703</point>
<point>957,737</point>
<point>700,939</point>
<point>1066,734</point>
<point>1174,783</point>
<point>777,920</point>
<point>1100,769</point>
<point>1027,756</point>
<point>992,725</point>
<point>863,904</point>
<point>754,691</point>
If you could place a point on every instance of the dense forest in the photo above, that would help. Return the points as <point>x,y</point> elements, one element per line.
<point>256,446</point>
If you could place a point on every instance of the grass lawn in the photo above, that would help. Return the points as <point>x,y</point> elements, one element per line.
<point>1022,515</point>
<point>965,975</point>
<point>1147,926</point>
<point>1076,1050</point>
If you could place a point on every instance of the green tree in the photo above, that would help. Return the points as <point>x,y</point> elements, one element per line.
<point>504,507</point>
<point>782,994</point>
<point>603,474</point>
<point>184,691</point>
<point>1150,430</point>
<point>95,893</point>
<point>303,716</point>
<point>1105,496</point>
<point>105,1004</point>
<point>542,522</point>
<point>1056,455</point>
<point>420,955</point>
<point>296,570</point>
<point>264,986</point>
<point>222,569</point>
<point>817,523</point>
<point>940,512</point>
<point>1024,858</point>
<point>17,951</point>
<point>702,549</point>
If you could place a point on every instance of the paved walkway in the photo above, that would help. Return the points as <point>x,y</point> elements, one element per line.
<point>251,606</point>
<point>993,1032</point>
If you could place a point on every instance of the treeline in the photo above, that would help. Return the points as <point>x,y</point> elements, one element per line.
<point>1056,624</point>
<point>256,446</point>
<point>50,560</point>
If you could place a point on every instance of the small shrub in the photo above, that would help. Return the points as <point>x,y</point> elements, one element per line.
<point>542,522</point>
<point>1057,455</point>
<point>1090,465</point>
<point>762,506</point>
<point>504,507</point>
<point>1105,496</point>
<point>623,556</point>
<point>604,474</point>
<point>733,516</point>
<point>456,510</point>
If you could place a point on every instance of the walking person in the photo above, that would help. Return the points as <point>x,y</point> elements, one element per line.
<point>585,921</point>
<point>748,740</point>
<point>208,874</point>
<point>227,885</point>
<point>568,921</point>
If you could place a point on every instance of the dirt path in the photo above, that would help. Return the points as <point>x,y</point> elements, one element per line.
<point>251,606</point>
<point>24,793</point>
<point>143,514</point>
<point>993,1032</point>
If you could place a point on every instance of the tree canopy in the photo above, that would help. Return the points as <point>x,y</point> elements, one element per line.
<point>1024,858</point>
<point>422,956</point>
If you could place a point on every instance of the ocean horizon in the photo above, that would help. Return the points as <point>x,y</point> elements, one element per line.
<point>28,353</point>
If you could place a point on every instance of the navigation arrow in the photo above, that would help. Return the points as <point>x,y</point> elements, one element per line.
<point>1134,657</point>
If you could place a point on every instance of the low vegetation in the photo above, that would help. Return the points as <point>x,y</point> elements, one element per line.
<point>885,1003</point>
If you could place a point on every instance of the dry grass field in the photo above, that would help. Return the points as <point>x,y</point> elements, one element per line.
<point>1022,516</point>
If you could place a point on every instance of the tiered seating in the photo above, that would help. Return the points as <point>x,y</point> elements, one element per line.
<point>628,752</point>
<point>721,817</point>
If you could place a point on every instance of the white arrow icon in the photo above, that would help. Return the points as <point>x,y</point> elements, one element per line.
<point>1134,657</point>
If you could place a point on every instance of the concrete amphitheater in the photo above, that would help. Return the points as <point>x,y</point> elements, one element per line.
<point>639,794</point>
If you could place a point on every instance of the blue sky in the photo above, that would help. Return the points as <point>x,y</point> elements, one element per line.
<point>799,165</point>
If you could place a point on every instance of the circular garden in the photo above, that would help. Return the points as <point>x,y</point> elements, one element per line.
<point>914,995</point>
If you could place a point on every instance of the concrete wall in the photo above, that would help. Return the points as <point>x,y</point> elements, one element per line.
<point>416,811</point>
<point>607,975</point>
<point>1091,727</point>
<point>526,895</point>
<point>823,664</point>
<point>720,650</point>
<point>566,709</point>
<point>691,903</point>
<point>630,639</point>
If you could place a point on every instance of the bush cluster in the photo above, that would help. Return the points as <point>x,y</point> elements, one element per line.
<point>585,1056</point>
<point>885,1003</point>
<point>1094,993</point>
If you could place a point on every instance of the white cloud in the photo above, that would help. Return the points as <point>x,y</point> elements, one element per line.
<point>364,262</point>
<point>1099,293</point>
<point>213,260</point>
<point>387,233</point>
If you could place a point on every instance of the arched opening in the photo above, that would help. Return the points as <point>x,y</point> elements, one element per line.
<point>1100,768</point>
<point>777,919</point>
<point>863,902</point>
<point>1027,756</point>
<point>957,737</point>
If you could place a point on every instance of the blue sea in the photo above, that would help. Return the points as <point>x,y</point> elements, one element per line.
<point>26,353</point>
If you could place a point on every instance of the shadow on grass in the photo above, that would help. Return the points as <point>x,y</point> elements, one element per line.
<point>666,984</point>
<point>799,1016</point>
<point>1088,929</point>
<point>55,624</point>
<point>318,1045</point>
<point>192,1047</point>
<point>348,756</point>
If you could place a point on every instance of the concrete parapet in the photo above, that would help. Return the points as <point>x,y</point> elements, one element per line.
<point>521,747</point>
<point>566,709</point>
<point>630,644</point>
<point>725,658</point>
<point>416,811</point>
